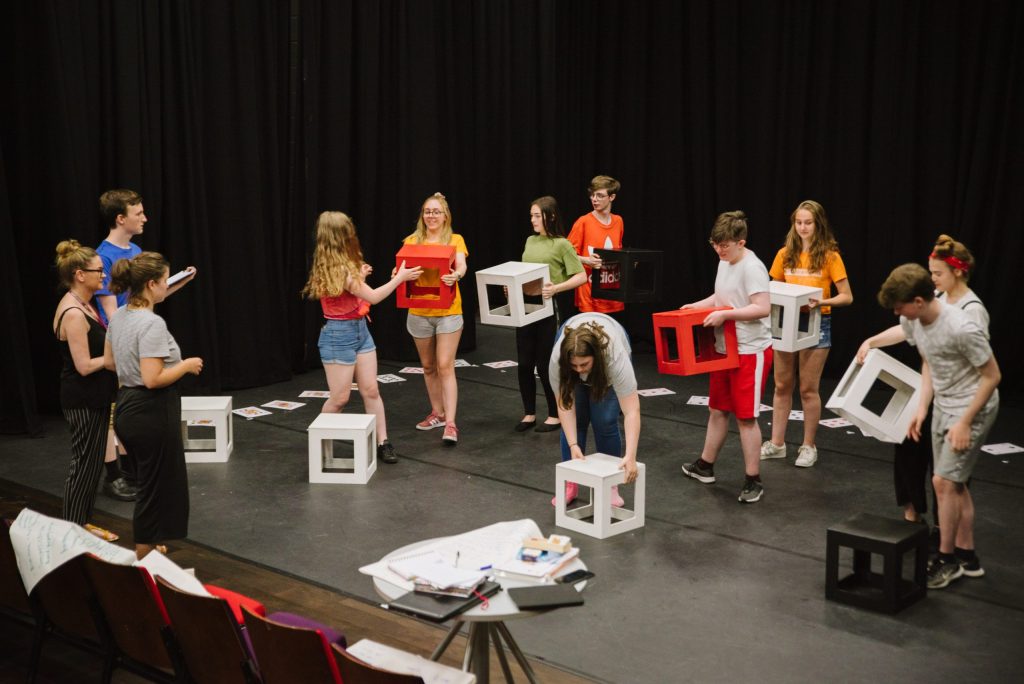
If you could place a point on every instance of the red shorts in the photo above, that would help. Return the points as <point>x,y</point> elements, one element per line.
<point>738,390</point>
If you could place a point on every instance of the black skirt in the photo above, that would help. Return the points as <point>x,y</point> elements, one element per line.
<point>148,423</point>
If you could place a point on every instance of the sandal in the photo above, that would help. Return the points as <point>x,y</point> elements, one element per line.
<point>105,535</point>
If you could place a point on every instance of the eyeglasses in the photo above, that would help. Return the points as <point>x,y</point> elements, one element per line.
<point>433,212</point>
<point>92,270</point>
<point>721,245</point>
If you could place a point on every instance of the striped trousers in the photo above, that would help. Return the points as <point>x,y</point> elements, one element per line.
<point>88,447</point>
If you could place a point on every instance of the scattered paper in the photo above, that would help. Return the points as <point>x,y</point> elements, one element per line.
<point>286,405</point>
<point>654,392</point>
<point>1002,448</point>
<point>192,422</point>
<point>765,408</point>
<point>698,401</point>
<point>412,370</point>
<point>462,363</point>
<point>389,377</point>
<point>315,394</point>
<point>251,412</point>
<point>501,364</point>
<point>796,415</point>
<point>835,422</point>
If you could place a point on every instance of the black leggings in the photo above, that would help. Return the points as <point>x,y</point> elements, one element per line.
<point>533,347</point>
<point>912,466</point>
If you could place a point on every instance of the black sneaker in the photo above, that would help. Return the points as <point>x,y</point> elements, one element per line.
<point>972,568</point>
<point>386,452</point>
<point>120,489</point>
<point>752,492</point>
<point>700,472</point>
<point>942,573</point>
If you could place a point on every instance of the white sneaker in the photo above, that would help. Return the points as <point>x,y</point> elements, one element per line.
<point>806,456</point>
<point>769,450</point>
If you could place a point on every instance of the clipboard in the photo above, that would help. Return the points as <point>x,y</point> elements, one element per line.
<point>441,608</point>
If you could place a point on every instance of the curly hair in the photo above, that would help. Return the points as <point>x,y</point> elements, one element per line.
<point>337,258</point>
<point>823,243</point>
<point>446,229</point>
<point>589,339</point>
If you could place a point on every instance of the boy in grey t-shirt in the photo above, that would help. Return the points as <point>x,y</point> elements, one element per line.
<point>961,373</point>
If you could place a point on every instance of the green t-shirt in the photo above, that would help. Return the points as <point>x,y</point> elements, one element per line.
<point>558,253</point>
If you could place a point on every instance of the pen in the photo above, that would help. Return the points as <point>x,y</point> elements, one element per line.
<point>486,567</point>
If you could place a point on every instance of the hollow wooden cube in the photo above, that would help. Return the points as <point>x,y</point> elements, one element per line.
<point>789,333</point>
<point>327,467</point>
<point>600,472</point>
<point>627,275</point>
<point>201,413</point>
<point>685,347</point>
<point>849,397</point>
<point>513,276</point>
<point>436,261</point>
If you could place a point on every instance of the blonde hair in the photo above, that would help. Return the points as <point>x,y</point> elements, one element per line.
<point>132,275</point>
<point>420,233</point>
<point>72,256</point>
<point>337,258</point>
<point>822,241</point>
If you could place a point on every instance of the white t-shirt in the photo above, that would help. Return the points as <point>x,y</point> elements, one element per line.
<point>734,286</point>
<point>619,370</point>
<point>971,305</point>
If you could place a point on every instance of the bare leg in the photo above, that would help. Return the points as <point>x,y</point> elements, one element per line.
<point>718,429</point>
<point>750,442</point>
<point>950,505</point>
<point>366,378</point>
<point>447,346</point>
<point>782,403</point>
<point>812,362</point>
<point>965,530</point>
<point>339,382</point>
<point>427,349</point>
<point>910,513</point>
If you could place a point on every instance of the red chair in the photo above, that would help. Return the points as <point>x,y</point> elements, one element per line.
<point>211,643</point>
<point>290,655</point>
<point>138,626</point>
<point>354,670</point>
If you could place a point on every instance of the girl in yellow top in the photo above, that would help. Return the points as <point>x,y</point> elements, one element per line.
<point>811,258</point>
<point>436,332</point>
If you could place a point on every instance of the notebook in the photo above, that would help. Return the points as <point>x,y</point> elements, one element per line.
<point>545,596</point>
<point>441,608</point>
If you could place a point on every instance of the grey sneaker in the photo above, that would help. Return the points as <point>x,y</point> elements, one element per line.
<point>972,568</point>
<point>700,472</point>
<point>769,450</point>
<point>942,573</point>
<point>806,456</point>
<point>752,492</point>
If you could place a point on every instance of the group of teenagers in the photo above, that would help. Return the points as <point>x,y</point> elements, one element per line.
<point>581,355</point>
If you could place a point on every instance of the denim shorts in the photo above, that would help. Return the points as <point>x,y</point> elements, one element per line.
<point>825,339</point>
<point>427,326</point>
<point>341,341</point>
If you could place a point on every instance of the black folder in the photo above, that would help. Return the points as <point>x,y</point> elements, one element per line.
<point>441,608</point>
<point>545,596</point>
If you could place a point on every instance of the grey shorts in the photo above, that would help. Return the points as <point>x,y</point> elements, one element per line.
<point>428,326</point>
<point>957,466</point>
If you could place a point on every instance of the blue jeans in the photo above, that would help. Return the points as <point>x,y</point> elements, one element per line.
<point>602,415</point>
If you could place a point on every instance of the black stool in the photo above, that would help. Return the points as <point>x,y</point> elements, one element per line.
<point>891,539</point>
<point>627,275</point>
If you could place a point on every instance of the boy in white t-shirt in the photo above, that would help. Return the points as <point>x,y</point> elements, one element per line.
<point>742,283</point>
<point>960,371</point>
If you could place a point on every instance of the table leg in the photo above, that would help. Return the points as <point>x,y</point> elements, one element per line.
<point>441,647</point>
<point>480,662</point>
<point>514,647</point>
<point>500,650</point>
<point>467,657</point>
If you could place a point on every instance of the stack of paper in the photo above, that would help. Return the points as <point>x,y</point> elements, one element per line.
<point>547,565</point>
<point>430,572</point>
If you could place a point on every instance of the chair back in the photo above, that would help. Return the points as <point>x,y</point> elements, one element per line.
<point>209,638</point>
<point>290,654</point>
<point>354,670</point>
<point>67,599</point>
<point>134,614</point>
<point>13,597</point>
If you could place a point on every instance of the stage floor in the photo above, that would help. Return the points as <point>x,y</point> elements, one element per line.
<point>709,590</point>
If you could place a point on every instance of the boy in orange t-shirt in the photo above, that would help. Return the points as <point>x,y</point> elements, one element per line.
<point>599,229</point>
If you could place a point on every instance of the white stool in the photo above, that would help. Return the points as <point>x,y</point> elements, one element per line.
<point>600,472</point>
<point>513,275</point>
<point>214,412</point>
<point>787,299</point>
<point>357,428</point>
<point>848,399</point>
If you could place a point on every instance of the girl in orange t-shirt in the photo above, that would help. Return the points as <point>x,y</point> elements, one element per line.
<point>810,257</point>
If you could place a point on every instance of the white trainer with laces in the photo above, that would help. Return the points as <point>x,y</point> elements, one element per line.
<point>769,450</point>
<point>806,456</point>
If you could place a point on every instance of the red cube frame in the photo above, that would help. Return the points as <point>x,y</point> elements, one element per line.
<point>440,258</point>
<point>695,345</point>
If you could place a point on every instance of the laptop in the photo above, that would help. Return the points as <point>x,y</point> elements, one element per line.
<point>545,596</point>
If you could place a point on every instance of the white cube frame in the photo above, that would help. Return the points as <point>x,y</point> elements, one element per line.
<point>217,411</point>
<point>600,472</point>
<point>360,429</point>
<point>848,398</point>
<point>787,300</point>
<point>513,275</point>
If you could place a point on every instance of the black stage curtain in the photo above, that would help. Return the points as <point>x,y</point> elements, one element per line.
<point>240,121</point>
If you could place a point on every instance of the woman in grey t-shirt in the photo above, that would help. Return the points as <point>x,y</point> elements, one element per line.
<point>148,414</point>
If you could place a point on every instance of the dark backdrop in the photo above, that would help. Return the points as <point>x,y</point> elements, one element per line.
<point>239,121</point>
